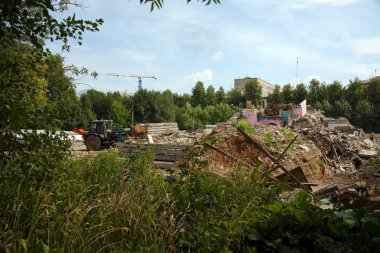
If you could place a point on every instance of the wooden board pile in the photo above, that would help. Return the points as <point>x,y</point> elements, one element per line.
<point>159,128</point>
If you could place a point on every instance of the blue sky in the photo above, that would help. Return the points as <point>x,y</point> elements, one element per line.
<point>183,43</point>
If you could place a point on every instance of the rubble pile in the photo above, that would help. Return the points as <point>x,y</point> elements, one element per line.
<point>341,151</point>
<point>170,137</point>
<point>230,147</point>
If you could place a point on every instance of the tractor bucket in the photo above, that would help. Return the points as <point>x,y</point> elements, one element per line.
<point>79,131</point>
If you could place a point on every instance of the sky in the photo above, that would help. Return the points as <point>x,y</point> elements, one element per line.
<point>181,43</point>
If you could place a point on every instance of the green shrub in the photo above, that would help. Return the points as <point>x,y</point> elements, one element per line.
<point>244,125</point>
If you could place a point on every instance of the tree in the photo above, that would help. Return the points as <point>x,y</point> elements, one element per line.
<point>355,91</point>
<point>181,100</point>
<point>300,93</point>
<point>314,92</point>
<point>220,95</point>
<point>373,95</point>
<point>341,108</point>
<point>153,106</point>
<point>100,103</point>
<point>326,107</point>
<point>364,114</point>
<point>210,95</point>
<point>234,97</point>
<point>219,113</point>
<point>287,93</point>
<point>335,92</point>
<point>33,22</point>
<point>159,3</point>
<point>119,114</point>
<point>86,112</point>
<point>166,109</point>
<point>198,94</point>
<point>275,96</point>
<point>253,92</point>
<point>60,91</point>
<point>22,87</point>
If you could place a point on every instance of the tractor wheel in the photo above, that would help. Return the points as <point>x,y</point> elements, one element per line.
<point>93,143</point>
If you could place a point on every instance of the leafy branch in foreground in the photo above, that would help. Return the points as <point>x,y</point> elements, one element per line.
<point>34,22</point>
<point>159,3</point>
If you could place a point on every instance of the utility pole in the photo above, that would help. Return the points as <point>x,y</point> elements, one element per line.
<point>297,72</point>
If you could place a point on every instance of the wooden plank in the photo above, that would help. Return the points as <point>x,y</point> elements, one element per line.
<point>262,149</point>
<point>163,165</point>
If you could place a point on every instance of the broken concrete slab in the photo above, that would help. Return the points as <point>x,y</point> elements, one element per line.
<point>367,153</point>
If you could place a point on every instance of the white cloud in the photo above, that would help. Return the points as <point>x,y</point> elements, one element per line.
<point>218,56</point>
<point>204,75</point>
<point>366,45</point>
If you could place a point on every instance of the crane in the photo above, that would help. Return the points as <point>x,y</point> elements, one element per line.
<point>139,77</point>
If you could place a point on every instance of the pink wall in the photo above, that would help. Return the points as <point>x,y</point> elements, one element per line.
<point>251,116</point>
<point>300,111</point>
<point>271,121</point>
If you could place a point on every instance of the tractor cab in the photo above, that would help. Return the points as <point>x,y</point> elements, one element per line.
<point>103,128</point>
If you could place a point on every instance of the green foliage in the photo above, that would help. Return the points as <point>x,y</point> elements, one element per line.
<point>212,139</point>
<point>201,116</point>
<point>244,125</point>
<point>63,102</point>
<point>235,97</point>
<point>198,97</point>
<point>217,210</point>
<point>106,202</point>
<point>119,114</point>
<point>335,92</point>
<point>34,22</point>
<point>210,95</point>
<point>159,3</point>
<point>271,141</point>
<point>275,97</point>
<point>341,108</point>
<point>314,91</point>
<point>287,93</point>
<point>153,106</point>
<point>220,95</point>
<point>253,92</point>
<point>283,226</point>
<point>181,100</point>
<point>300,93</point>
<point>327,107</point>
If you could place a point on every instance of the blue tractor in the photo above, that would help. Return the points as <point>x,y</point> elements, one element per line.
<point>102,135</point>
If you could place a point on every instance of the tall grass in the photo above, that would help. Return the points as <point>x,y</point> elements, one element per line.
<point>111,204</point>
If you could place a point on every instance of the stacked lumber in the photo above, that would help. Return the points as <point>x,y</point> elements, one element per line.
<point>165,155</point>
<point>160,128</point>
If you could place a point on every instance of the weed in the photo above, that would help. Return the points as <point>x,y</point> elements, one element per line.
<point>212,139</point>
<point>244,125</point>
<point>271,141</point>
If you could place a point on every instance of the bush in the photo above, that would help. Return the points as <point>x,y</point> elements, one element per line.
<point>244,125</point>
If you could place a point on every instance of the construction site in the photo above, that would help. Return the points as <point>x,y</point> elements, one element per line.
<point>323,156</point>
<point>189,126</point>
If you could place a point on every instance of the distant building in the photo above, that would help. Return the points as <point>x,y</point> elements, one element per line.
<point>267,88</point>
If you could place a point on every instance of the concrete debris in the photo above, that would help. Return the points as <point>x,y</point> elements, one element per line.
<point>168,137</point>
<point>367,153</point>
<point>341,149</point>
